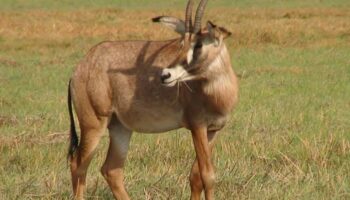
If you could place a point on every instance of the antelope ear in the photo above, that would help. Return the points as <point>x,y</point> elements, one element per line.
<point>224,32</point>
<point>217,32</point>
<point>214,37</point>
<point>211,29</point>
<point>171,22</point>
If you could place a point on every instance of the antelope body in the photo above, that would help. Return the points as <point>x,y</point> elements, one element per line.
<point>152,87</point>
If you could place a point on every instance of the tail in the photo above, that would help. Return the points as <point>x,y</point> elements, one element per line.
<point>74,141</point>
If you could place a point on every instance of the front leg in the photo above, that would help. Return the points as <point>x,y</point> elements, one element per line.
<point>205,167</point>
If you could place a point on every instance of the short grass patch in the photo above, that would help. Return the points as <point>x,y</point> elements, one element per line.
<point>287,139</point>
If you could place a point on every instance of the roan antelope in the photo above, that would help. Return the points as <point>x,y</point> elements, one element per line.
<point>152,87</point>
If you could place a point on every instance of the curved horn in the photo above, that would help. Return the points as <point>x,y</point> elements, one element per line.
<point>188,20</point>
<point>199,14</point>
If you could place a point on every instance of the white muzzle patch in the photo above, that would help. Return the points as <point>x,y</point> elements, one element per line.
<point>171,76</point>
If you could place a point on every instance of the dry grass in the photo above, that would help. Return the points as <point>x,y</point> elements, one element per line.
<point>286,27</point>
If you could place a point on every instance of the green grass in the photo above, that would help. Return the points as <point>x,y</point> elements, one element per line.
<point>289,137</point>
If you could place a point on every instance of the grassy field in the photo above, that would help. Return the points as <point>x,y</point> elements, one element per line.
<point>289,137</point>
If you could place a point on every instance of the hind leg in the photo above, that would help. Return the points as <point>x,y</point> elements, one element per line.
<point>112,169</point>
<point>90,137</point>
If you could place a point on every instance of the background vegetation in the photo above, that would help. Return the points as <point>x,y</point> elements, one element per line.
<point>289,137</point>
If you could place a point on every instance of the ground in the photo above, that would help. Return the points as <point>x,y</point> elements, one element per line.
<point>289,137</point>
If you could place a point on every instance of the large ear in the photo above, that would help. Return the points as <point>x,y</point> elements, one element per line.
<point>171,22</point>
<point>217,32</point>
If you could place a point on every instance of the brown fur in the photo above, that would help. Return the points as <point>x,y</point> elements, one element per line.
<point>117,86</point>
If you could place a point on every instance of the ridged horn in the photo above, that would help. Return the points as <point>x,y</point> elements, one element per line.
<point>188,19</point>
<point>199,15</point>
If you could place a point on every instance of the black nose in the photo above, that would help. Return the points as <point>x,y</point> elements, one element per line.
<point>163,77</point>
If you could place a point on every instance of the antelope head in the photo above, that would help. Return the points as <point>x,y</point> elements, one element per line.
<point>201,46</point>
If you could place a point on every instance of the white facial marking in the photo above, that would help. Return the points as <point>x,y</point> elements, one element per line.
<point>177,74</point>
<point>190,55</point>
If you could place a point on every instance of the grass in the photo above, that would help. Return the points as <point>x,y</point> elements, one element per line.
<point>287,139</point>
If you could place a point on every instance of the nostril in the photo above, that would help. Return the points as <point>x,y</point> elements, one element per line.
<point>163,77</point>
